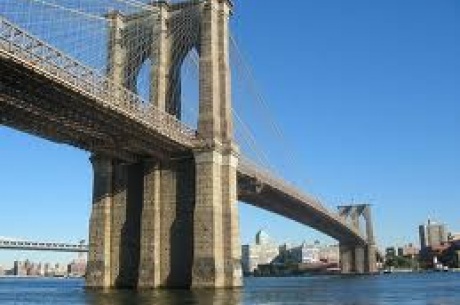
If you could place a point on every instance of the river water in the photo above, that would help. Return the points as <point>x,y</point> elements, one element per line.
<point>410,289</point>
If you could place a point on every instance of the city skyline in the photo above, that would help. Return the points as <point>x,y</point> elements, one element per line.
<point>376,110</point>
<point>36,257</point>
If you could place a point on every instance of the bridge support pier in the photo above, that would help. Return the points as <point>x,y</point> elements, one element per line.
<point>115,224</point>
<point>100,228</point>
<point>172,223</point>
<point>217,254</point>
<point>232,246</point>
<point>146,231</point>
<point>208,264</point>
<point>346,259</point>
<point>370,259</point>
<point>150,245</point>
<point>356,258</point>
<point>177,206</point>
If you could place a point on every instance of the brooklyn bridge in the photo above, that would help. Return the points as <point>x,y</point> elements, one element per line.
<point>165,193</point>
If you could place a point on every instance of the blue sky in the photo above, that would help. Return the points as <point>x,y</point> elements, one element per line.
<point>367,94</point>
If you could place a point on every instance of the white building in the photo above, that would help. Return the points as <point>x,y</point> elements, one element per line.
<point>454,236</point>
<point>432,234</point>
<point>305,254</point>
<point>19,268</point>
<point>262,252</point>
<point>329,254</point>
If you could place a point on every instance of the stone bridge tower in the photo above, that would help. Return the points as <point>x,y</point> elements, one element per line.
<point>355,258</point>
<point>170,220</point>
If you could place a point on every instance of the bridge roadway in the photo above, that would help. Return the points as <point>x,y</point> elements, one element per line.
<point>42,246</point>
<point>48,94</point>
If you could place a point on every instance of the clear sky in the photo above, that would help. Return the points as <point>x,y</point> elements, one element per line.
<point>368,97</point>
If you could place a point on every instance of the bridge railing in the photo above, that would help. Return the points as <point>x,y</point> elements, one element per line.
<point>39,55</point>
<point>249,168</point>
<point>19,244</point>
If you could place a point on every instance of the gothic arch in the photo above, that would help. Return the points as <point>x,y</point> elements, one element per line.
<point>165,35</point>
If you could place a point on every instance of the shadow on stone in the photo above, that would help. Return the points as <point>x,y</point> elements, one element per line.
<point>129,254</point>
<point>181,231</point>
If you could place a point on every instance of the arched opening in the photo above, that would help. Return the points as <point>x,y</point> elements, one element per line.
<point>189,94</point>
<point>144,80</point>
<point>362,226</point>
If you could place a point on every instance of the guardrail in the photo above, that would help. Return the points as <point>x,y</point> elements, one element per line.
<point>44,246</point>
<point>251,169</point>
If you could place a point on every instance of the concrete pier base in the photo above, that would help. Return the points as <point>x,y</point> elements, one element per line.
<point>358,259</point>
<point>371,259</point>
<point>171,222</point>
<point>100,228</point>
<point>165,224</point>
<point>346,259</point>
<point>217,254</point>
<point>115,224</point>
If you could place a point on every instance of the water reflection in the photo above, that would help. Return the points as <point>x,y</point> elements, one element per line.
<point>407,289</point>
<point>170,297</point>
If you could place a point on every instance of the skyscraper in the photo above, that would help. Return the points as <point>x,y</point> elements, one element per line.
<point>262,252</point>
<point>422,235</point>
<point>432,234</point>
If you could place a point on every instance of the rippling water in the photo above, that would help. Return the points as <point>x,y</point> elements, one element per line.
<point>410,289</point>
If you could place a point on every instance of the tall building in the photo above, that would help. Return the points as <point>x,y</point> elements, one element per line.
<point>329,254</point>
<point>390,253</point>
<point>48,269</point>
<point>432,234</point>
<point>264,251</point>
<point>77,267</point>
<point>410,251</point>
<point>422,236</point>
<point>40,269</point>
<point>306,254</point>
<point>19,268</point>
<point>454,236</point>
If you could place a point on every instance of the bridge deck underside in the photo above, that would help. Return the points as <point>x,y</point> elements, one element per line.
<point>32,103</point>
<point>282,203</point>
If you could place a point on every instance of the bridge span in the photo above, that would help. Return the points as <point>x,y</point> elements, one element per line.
<point>42,246</point>
<point>165,195</point>
<point>41,96</point>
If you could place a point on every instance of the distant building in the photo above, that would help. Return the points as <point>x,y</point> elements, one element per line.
<point>422,236</point>
<point>432,234</point>
<point>390,252</point>
<point>264,251</point>
<point>19,268</point>
<point>262,238</point>
<point>32,269</point>
<point>60,270</point>
<point>410,251</point>
<point>454,237</point>
<point>48,270</point>
<point>329,254</point>
<point>77,268</point>
<point>40,269</point>
<point>306,254</point>
<point>437,234</point>
<point>2,271</point>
